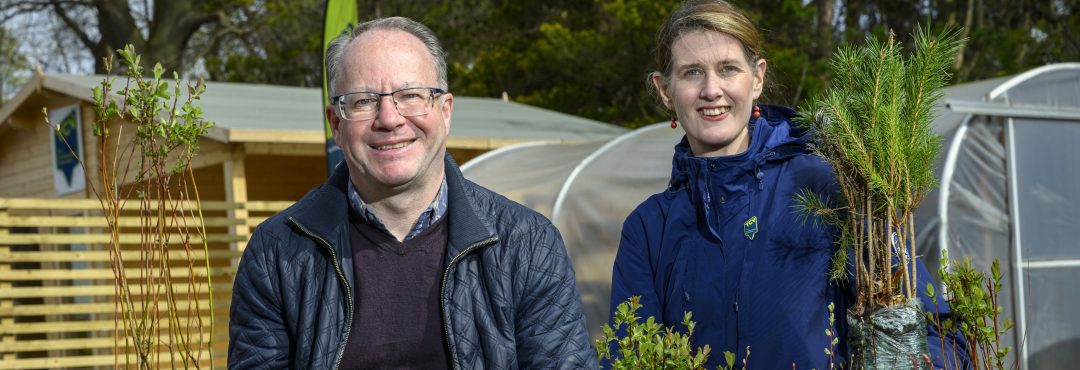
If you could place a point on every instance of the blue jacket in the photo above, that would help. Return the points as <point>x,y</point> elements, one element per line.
<point>509,298</point>
<point>725,243</point>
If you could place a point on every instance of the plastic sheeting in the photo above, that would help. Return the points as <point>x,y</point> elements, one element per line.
<point>1009,191</point>
<point>594,186</point>
<point>893,337</point>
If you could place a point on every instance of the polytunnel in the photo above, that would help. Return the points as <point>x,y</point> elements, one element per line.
<point>1009,174</point>
<point>586,190</point>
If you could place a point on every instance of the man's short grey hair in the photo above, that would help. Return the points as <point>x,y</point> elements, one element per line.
<point>335,52</point>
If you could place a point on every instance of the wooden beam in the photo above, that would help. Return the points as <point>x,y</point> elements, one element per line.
<point>106,256</point>
<point>105,291</point>
<point>276,136</point>
<point>125,238</point>
<point>236,192</point>
<point>106,308</point>
<point>6,339</point>
<point>106,360</point>
<point>297,149</point>
<point>108,273</point>
<point>102,221</point>
<point>94,204</point>
<point>20,121</point>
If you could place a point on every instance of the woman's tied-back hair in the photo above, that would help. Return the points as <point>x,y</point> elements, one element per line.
<point>335,52</point>
<point>711,15</point>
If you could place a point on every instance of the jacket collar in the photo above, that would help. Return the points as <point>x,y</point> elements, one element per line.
<point>323,214</point>
<point>466,227</point>
<point>327,213</point>
<point>773,137</point>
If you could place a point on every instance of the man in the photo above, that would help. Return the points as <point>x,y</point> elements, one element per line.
<point>398,261</point>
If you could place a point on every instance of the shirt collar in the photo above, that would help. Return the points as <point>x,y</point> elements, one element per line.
<point>363,212</point>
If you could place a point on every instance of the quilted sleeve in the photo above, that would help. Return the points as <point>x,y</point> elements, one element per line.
<point>257,335</point>
<point>551,330</point>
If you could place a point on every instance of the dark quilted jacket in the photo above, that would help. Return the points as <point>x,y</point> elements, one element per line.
<point>509,298</point>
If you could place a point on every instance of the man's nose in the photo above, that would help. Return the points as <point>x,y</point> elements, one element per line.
<point>388,117</point>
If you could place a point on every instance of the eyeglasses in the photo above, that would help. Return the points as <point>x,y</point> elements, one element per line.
<point>410,102</point>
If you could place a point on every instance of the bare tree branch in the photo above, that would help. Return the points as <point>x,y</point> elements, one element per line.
<point>76,28</point>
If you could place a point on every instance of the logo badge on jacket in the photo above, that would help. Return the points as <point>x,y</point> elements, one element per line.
<point>749,228</point>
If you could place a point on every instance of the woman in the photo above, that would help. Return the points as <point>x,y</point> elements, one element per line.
<point>724,240</point>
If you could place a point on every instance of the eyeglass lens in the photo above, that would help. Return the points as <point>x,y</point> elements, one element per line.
<point>365,105</point>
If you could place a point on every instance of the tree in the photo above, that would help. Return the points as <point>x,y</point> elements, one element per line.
<point>160,30</point>
<point>14,67</point>
<point>587,58</point>
<point>270,42</point>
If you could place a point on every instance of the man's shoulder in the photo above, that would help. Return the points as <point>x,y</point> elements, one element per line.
<point>279,227</point>
<point>501,212</point>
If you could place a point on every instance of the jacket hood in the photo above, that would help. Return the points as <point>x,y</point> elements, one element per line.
<point>773,136</point>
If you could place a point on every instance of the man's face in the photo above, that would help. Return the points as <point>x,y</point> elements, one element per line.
<point>391,152</point>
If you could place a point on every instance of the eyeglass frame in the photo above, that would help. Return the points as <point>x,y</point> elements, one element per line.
<point>338,101</point>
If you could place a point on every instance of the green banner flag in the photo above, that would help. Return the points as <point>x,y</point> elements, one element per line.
<point>340,17</point>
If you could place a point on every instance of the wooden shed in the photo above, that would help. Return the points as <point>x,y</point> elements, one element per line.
<point>267,149</point>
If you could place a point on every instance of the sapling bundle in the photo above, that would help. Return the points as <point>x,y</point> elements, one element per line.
<point>145,144</point>
<point>873,125</point>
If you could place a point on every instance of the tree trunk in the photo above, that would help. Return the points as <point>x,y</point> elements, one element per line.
<point>168,31</point>
<point>826,11</point>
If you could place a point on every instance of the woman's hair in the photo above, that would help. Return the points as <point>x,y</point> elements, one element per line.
<point>710,15</point>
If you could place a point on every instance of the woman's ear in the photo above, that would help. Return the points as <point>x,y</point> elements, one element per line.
<point>662,88</point>
<point>759,77</point>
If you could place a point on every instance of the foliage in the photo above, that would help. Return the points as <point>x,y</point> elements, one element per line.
<point>14,67</point>
<point>873,125</point>
<point>156,136</point>
<point>161,29</point>
<point>266,42</point>
<point>649,345</point>
<point>587,58</point>
<point>973,297</point>
<point>584,58</point>
<point>834,340</point>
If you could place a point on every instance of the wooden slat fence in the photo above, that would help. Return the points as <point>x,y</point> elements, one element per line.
<point>57,294</point>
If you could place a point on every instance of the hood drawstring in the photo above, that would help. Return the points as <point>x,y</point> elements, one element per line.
<point>758,174</point>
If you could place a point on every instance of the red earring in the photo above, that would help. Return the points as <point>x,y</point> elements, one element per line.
<point>673,123</point>
<point>757,111</point>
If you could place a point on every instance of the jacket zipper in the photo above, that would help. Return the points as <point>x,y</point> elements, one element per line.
<point>442,293</point>
<point>348,289</point>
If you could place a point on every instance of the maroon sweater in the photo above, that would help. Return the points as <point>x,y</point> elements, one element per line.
<point>397,323</point>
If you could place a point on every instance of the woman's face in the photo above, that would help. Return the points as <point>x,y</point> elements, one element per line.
<point>712,89</point>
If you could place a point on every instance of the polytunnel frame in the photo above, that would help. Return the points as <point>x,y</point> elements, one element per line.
<point>499,151</point>
<point>990,108</point>
<point>556,210</point>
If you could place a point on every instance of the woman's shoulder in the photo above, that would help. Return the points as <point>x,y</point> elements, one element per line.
<point>658,205</point>
<point>811,171</point>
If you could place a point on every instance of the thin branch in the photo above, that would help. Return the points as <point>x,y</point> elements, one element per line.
<point>73,26</point>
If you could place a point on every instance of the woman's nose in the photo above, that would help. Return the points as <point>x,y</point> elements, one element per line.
<point>711,88</point>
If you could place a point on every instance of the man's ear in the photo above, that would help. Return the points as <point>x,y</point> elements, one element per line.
<point>335,124</point>
<point>662,88</point>
<point>447,107</point>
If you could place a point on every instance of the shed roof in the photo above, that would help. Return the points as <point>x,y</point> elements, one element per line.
<point>266,113</point>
